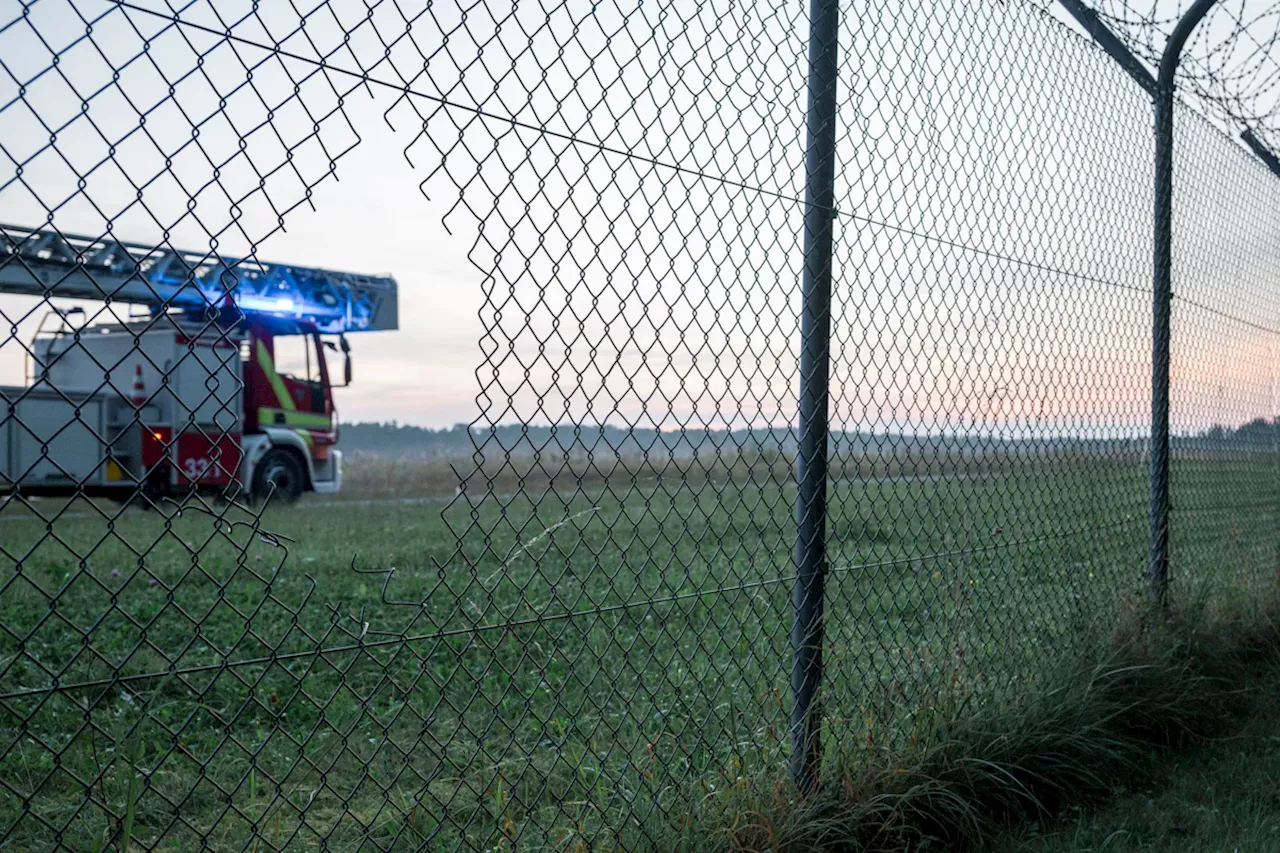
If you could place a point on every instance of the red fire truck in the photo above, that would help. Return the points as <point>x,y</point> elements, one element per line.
<point>222,385</point>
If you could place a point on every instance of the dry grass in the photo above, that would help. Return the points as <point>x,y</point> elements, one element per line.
<point>368,476</point>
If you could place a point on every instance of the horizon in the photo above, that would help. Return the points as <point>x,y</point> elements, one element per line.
<point>572,426</point>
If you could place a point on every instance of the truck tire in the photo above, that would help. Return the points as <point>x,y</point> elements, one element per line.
<point>281,468</point>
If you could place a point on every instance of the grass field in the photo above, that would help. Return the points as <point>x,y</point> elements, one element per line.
<point>592,670</point>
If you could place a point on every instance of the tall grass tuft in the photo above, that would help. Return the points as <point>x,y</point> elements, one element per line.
<point>1096,729</point>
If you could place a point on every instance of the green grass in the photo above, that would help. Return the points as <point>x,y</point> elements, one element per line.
<point>598,670</point>
<point>1219,796</point>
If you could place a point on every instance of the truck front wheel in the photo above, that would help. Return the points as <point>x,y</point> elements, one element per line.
<point>279,469</point>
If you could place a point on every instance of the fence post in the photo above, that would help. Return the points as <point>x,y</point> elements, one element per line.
<point>815,342</point>
<point>1162,301</point>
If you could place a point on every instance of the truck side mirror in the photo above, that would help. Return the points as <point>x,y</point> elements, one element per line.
<point>346,353</point>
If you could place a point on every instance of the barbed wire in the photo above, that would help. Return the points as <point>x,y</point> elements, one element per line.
<point>1231,64</point>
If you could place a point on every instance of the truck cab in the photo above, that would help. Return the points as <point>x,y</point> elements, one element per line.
<point>289,406</point>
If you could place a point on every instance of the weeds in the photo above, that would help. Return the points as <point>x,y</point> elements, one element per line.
<point>1097,731</point>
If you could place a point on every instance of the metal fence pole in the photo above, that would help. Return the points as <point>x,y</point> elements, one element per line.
<point>815,341</point>
<point>1162,301</point>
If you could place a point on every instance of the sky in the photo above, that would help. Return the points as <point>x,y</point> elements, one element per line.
<point>593,210</point>
<point>372,219</point>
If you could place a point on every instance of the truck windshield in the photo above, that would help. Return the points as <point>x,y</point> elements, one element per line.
<point>296,357</point>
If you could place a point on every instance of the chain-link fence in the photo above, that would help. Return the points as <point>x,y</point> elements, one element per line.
<point>814,408</point>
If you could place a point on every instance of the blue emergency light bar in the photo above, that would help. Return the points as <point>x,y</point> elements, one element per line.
<point>49,263</point>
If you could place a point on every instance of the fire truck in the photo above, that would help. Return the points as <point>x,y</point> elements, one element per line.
<point>186,391</point>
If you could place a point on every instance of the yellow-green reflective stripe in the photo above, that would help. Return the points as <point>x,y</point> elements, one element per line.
<point>267,417</point>
<point>277,384</point>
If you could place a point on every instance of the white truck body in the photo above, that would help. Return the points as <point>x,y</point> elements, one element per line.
<point>98,395</point>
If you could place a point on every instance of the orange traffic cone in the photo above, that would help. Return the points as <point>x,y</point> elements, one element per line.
<point>138,393</point>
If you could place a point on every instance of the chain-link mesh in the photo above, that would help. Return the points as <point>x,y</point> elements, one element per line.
<point>1225,372</point>
<point>991,368</point>
<point>589,646</point>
